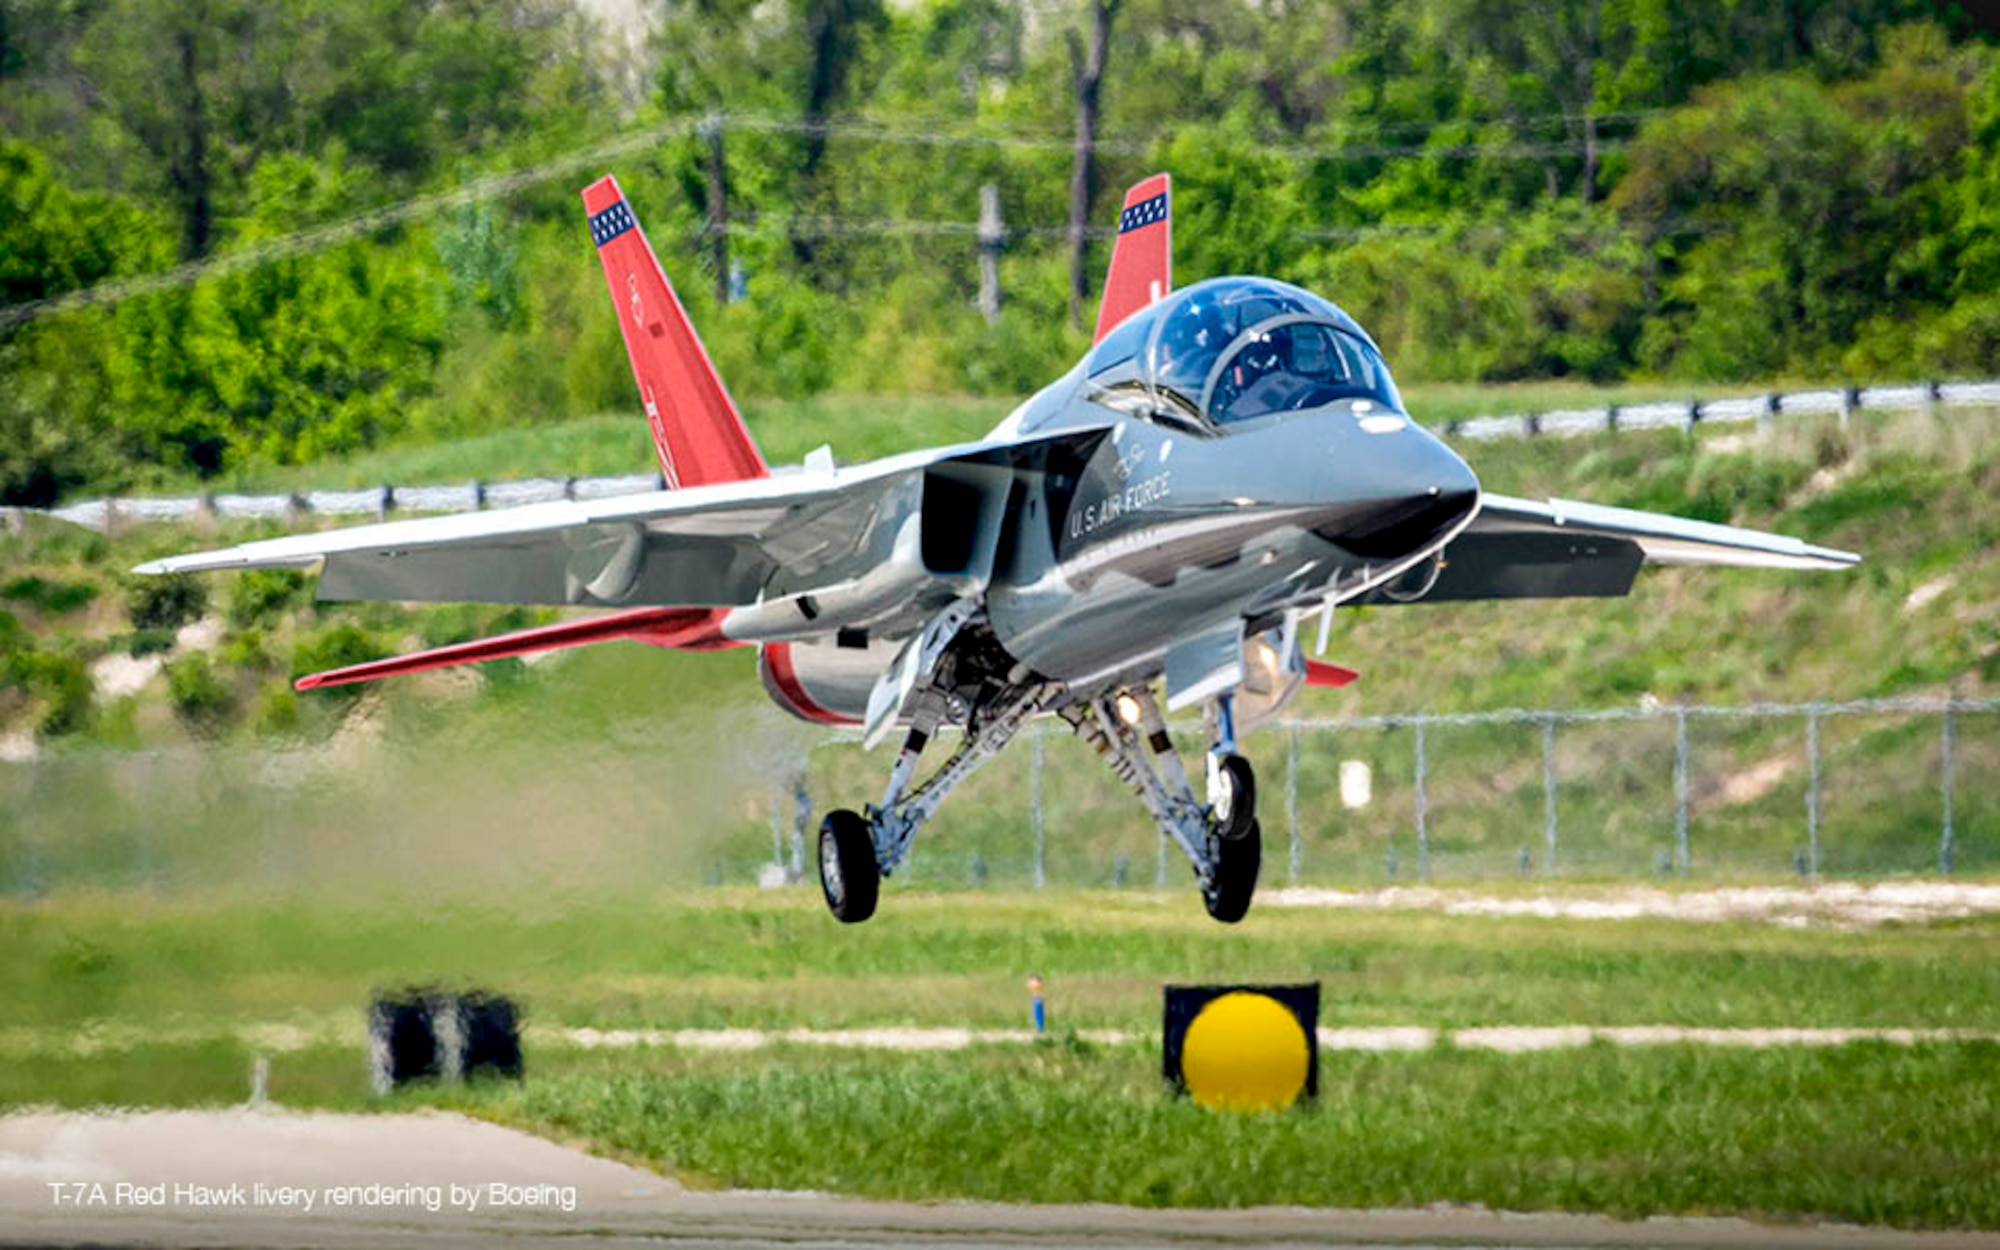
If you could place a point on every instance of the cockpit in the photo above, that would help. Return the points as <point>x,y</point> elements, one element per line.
<point>1233,349</point>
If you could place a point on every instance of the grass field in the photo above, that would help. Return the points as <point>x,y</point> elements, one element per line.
<point>720,957</point>
<point>135,1000</point>
<point>1860,1134</point>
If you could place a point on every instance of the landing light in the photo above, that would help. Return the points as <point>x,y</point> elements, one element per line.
<point>1128,709</point>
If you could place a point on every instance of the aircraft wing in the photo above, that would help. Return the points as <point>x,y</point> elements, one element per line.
<point>728,544</point>
<point>1521,549</point>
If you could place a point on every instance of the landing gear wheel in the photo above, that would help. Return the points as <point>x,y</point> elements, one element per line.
<point>1235,880</point>
<point>1234,798</point>
<point>848,875</point>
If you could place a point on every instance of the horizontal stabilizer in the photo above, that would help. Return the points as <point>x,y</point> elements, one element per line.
<point>1331,676</point>
<point>680,629</point>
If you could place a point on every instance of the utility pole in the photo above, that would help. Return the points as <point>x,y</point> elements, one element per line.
<point>718,208</point>
<point>990,236</point>
<point>1086,71</point>
<point>188,169</point>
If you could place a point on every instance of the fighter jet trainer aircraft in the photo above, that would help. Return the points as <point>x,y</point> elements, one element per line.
<point>1230,459</point>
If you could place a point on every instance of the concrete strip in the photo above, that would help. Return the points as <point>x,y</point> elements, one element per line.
<point>1518,1040</point>
<point>618,1206</point>
<point>1838,904</point>
<point>905,1038</point>
<point>1382,1039</point>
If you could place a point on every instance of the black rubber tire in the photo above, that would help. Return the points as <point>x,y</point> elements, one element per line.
<point>1243,806</point>
<point>1237,861</point>
<point>848,874</point>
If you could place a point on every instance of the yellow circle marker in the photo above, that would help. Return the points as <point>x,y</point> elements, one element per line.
<point>1245,1052</point>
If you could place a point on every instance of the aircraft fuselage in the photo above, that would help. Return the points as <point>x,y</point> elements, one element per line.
<point>1162,524</point>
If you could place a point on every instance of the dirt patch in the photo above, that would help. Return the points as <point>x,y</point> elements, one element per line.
<point>1928,592</point>
<point>117,674</point>
<point>1756,781</point>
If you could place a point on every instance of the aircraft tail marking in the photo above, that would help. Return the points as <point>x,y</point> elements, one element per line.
<point>1142,256</point>
<point>699,433</point>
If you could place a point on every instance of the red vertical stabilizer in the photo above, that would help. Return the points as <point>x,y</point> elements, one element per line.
<point>1142,256</point>
<point>700,435</point>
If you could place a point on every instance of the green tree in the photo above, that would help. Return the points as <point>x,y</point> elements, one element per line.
<point>199,694</point>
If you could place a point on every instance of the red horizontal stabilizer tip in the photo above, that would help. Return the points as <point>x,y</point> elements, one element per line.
<point>697,430</point>
<point>1142,256</point>
<point>685,629</point>
<point>1330,675</point>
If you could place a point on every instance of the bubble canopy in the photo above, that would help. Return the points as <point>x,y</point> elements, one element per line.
<point>1232,349</point>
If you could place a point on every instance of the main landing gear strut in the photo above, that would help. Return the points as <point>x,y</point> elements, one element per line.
<point>858,849</point>
<point>1221,838</point>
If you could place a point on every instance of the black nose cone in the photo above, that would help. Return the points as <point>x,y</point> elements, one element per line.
<point>1393,493</point>
<point>1401,498</point>
<point>1395,528</point>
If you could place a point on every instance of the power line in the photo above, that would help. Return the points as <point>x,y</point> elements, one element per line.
<point>892,227</point>
<point>318,238</point>
<point>937,124</point>
<point>835,128</point>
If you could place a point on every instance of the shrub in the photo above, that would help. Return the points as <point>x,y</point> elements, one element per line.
<point>13,637</point>
<point>246,650</point>
<point>277,709</point>
<point>61,682</point>
<point>201,697</point>
<point>165,602</point>
<point>52,597</point>
<point>150,642</point>
<point>258,596</point>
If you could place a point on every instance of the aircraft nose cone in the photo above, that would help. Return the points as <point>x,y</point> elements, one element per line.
<point>1397,493</point>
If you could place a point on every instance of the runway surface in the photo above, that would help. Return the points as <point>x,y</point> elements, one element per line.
<point>246,1178</point>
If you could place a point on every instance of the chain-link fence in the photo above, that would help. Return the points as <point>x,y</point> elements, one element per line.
<point>1853,789</point>
<point>1850,790</point>
<point>380,502</point>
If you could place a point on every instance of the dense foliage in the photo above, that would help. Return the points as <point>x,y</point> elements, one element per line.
<point>1573,188</point>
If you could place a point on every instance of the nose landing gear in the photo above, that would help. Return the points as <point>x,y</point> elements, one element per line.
<point>1232,795</point>
<point>1221,838</point>
<point>1236,841</point>
<point>1232,883</point>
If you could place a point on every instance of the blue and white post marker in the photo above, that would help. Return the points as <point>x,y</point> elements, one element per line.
<point>1035,997</point>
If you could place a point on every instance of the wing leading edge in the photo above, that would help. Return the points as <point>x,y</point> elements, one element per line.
<point>1522,549</point>
<point>704,546</point>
